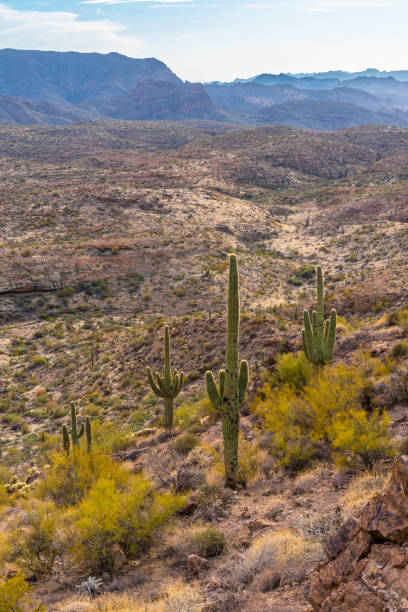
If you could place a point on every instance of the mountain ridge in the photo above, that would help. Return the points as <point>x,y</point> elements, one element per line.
<point>56,88</point>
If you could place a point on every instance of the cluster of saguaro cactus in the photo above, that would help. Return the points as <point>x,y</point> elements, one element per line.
<point>318,335</point>
<point>233,381</point>
<point>167,384</point>
<point>318,338</point>
<point>76,434</point>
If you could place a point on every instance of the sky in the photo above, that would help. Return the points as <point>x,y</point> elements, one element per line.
<point>207,40</point>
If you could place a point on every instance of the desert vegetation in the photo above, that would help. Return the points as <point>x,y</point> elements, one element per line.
<point>131,477</point>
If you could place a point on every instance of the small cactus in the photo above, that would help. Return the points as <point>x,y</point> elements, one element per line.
<point>233,381</point>
<point>318,335</point>
<point>167,384</point>
<point>76,434</point>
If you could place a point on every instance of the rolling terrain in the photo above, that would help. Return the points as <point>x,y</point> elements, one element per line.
<point>112,228</point>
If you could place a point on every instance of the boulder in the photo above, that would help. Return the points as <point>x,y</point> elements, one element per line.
<point>367,567</point>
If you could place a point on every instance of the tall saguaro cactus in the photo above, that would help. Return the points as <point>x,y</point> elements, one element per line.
<point>167,384</point>
<point>318,335</point>
<point>233,381</point>
<point>76,434</point>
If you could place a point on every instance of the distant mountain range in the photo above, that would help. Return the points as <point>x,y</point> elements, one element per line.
<point>47,87</point>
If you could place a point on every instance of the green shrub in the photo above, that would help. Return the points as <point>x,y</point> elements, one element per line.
<point>400,349</point>
<point>185,443</point>
<point>302,419</point>
<point>293,369</point>
<point>4,498</point>
<point>15,596</point>
<point>109,519</point>
<point>210,541</point>
<point>70,477</point>
<point>357,436</point>
<point>34,540</point>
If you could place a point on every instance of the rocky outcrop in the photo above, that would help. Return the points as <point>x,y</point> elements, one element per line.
<point>52,282</point>
<point>367,568</point>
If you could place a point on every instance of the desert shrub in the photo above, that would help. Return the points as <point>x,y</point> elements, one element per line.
<point>15,596</point>
<point>189,415</point>
<point>293,369</point>
<point>398,383</point>
<point>321,526</point>
<point>200,539</point>
<point>111,437</point>
<point>4,498</point>
<point>403,448</point>
<point>359,437</point>
<point>360,491</point>
<point>277,551</point>
<point>70,477</point>
<point>400,349</point>
<point>109,518</point>
<point>212,500</point>
<point>250,459</point>
<point>210,541</point>
<point>34,539</point>
<point>302,420</point>
<point>185,443</point>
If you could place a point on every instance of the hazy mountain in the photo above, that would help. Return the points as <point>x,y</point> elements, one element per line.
<point>74,77</point>
<point>301,82</point>
<point>158,100</point>
<point>60,88</point>
<point>327,115</point>
<point>29,112</point>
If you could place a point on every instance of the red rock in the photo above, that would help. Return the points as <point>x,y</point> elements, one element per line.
<point>368,566</point>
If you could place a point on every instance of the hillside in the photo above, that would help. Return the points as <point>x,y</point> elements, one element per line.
<point>28,112</point>
<point>112,229</point>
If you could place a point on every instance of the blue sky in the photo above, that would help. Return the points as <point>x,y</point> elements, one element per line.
<point>218,39</point>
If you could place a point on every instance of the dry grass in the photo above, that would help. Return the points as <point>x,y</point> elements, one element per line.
<point>360,491</point>
<point>178,597</point>
<point>278,551</point>
<point>310,481</point>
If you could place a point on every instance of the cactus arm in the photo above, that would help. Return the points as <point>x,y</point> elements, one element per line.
<point>81,431</point>
<point>243,380</point>
<point>305,346</point>
<point>309,337</point>
<point>331,336</point>
<point>75,435</point>
<point>212,390</point>
<point>181,383</point>
<point>153,384</point>
<point>88,430</point>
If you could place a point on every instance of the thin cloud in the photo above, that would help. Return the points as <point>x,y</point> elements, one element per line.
<point>63,31</point>
<point>353,4</point>
<point>113,2</point>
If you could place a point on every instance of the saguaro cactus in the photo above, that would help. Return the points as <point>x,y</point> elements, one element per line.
<point>233,381</point>
<point>76,434</point>
<point>318,335</point>
<point>167,384</point>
